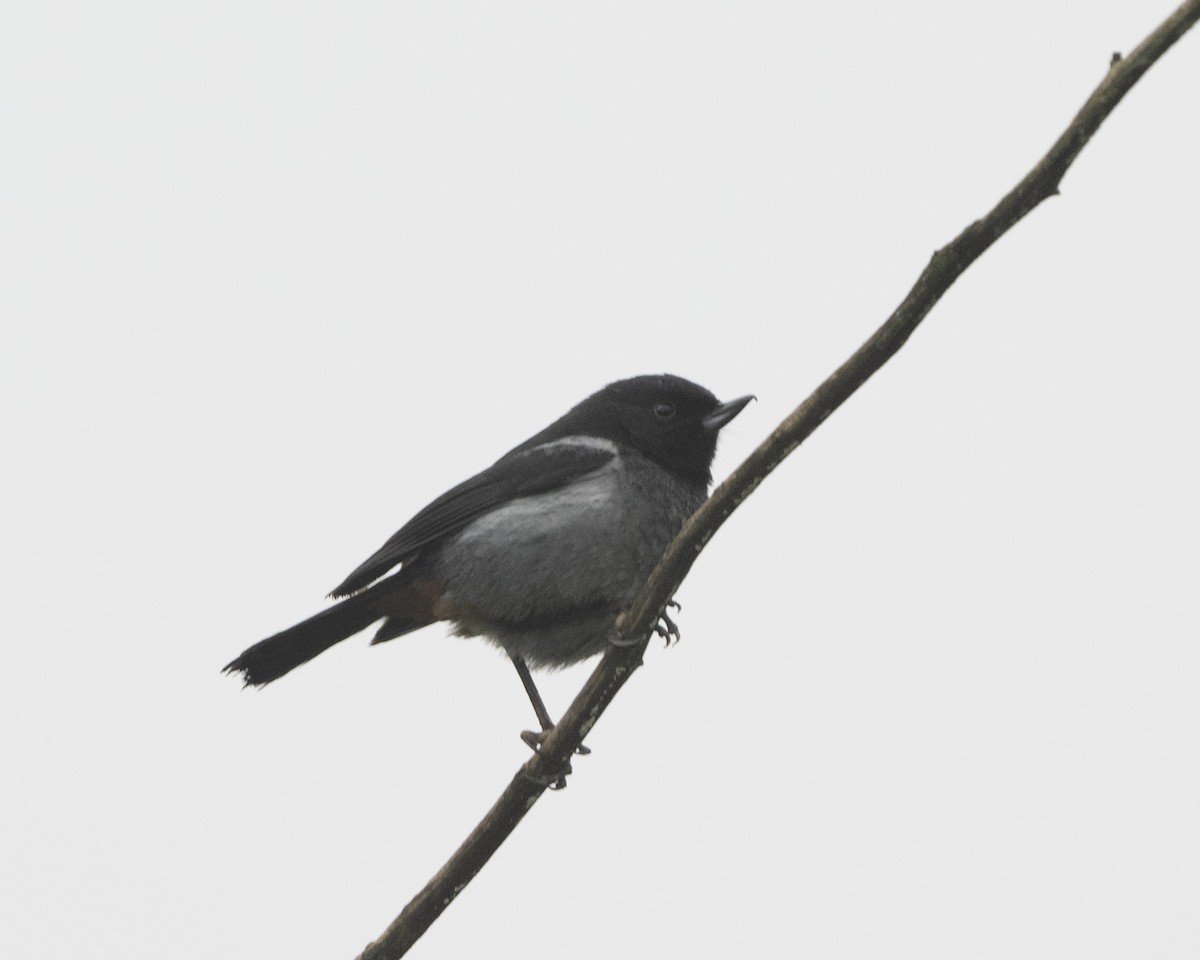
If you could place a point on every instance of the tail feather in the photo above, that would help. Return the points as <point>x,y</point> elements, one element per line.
<point>270,659</point>
<point>404,602</point>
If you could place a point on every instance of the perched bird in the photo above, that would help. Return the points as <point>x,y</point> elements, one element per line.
<point>542,551</point>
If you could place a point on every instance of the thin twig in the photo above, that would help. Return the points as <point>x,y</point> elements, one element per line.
<point>619,662</point>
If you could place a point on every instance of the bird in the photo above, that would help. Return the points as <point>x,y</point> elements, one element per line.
<point>541,552</point>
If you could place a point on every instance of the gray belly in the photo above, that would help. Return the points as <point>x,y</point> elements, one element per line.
<point>546,576</point>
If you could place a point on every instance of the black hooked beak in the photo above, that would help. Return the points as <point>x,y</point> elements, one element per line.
<point>724,413</point>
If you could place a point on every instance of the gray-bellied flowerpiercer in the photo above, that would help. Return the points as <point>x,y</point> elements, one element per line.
<point>542,551</point>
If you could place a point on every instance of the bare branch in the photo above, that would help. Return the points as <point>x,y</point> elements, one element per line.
<point>619,662</point>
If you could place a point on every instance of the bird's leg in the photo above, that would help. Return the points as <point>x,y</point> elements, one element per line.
<point>534,740</point>
<point>535,698</point>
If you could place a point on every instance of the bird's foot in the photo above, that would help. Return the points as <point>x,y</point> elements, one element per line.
<point>534,740</point>
<point>555,781</point>
<point>558,779</point>
<point>667,628</point>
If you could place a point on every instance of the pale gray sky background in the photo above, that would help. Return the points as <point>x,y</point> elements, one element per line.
<point>276,274</point>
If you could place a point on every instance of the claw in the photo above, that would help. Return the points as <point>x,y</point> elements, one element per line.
<point>667,628</point>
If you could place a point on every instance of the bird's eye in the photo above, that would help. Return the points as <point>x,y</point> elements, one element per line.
<point>664,411</point>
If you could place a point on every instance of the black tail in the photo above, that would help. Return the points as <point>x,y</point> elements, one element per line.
<point>270,659</point>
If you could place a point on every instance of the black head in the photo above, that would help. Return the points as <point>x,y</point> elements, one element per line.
<point>668,419</point>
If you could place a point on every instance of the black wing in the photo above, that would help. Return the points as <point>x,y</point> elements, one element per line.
<point>520,473</point>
